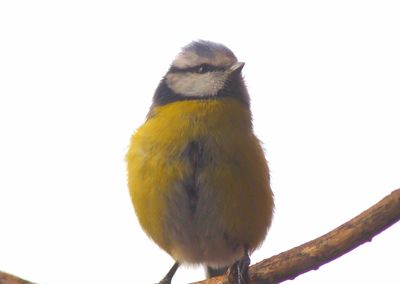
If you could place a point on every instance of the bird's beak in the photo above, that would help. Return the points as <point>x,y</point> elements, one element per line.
<point>236,68</point>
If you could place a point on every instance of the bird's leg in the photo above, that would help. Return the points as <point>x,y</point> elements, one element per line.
<point>238,273</point>
<point>243,268</point>
<point>167,279</point>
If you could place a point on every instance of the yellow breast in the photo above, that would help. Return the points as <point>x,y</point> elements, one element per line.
<point>235,201</point>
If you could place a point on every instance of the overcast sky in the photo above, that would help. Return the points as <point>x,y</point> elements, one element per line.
<point>77,78</point>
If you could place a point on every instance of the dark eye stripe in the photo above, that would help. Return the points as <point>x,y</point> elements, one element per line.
<point>203,68</point>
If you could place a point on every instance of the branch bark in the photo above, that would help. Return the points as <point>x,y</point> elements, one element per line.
<point>290,264</point>
<point>6,278</point>
<point>311,255</point>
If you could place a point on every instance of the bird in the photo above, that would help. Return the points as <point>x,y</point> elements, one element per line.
<point>197,174</point>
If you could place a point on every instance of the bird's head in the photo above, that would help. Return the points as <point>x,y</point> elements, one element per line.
<point>202,70</point>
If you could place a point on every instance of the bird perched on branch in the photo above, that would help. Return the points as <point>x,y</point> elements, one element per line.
<point>197,174</point>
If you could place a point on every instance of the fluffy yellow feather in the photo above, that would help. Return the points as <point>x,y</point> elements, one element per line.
<point>237,178</point>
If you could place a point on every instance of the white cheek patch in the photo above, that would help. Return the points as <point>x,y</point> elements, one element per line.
<point>188,59</point>
<point>196,85</point>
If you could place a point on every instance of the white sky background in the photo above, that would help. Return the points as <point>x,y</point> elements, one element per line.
<point>77,77</point>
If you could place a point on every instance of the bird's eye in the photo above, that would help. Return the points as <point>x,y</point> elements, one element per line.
<point>203,68</point>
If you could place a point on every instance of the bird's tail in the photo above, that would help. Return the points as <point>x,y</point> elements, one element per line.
<point>212,272</point>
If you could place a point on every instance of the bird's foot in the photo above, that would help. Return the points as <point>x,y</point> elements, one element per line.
<point>239,271</point>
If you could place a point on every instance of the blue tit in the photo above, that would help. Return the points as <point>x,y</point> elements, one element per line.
<point>197,174</point>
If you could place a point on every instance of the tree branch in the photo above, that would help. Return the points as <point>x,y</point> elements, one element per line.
<point>311,255</point>
<point>6,278</point>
